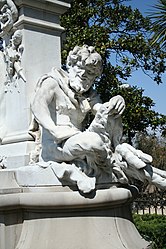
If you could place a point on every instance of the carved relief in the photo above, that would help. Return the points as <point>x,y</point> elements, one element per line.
<point>13,53</point>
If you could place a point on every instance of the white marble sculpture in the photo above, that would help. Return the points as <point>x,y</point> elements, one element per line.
<point>13,53</point>
<point>61,103</point>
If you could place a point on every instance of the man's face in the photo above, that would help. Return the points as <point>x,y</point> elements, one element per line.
<point>81,77</point>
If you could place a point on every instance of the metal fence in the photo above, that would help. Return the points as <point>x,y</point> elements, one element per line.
<point>150,203</point>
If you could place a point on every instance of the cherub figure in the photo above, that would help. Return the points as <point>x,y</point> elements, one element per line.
<point>13,53</point>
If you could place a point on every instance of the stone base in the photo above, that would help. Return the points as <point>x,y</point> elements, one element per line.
<point>57,217</point>
<point>17,154</point>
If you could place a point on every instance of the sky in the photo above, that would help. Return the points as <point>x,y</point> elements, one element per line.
<point>152,90</point>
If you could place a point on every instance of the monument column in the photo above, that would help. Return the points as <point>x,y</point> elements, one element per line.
<point>39,21</point>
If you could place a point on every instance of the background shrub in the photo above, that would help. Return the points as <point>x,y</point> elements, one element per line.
<point>153,228</point>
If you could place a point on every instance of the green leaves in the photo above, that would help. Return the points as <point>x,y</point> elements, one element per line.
<point>158,17</point>
<point>152,227</point>
<point>122,36</point>
<point>154,146</point>
<point>112,27</point>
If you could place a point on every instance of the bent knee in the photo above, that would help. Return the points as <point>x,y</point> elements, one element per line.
<point>92,140</point>
<point>85,141</point>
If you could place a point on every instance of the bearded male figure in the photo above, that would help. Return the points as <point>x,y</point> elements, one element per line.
<point>61,103</point>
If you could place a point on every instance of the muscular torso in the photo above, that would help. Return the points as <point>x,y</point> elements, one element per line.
<point>66,111</point>
<point>59,112</point>
<point>64,116</point>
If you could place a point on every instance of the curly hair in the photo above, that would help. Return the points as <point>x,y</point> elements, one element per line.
<point>85,56</point>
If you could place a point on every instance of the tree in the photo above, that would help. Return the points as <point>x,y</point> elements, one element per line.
<point>122,36</point>
<point>154,146</point>
<point>139,115</point>
<point>158,17</point>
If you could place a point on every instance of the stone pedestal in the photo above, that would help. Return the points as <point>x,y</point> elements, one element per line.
<point>40,24</point>
<point>57,217</point>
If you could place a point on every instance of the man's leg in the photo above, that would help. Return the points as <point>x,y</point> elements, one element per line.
<point>79,146</point>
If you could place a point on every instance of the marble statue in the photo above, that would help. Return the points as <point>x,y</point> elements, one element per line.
<point>12,54</point>
<point>60,106</point>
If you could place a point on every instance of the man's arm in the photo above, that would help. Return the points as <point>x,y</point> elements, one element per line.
<point>115,106</point>
<point>108,119</point>
<point>48,90</point>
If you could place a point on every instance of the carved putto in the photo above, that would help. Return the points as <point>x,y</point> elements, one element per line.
<point>13,53</point>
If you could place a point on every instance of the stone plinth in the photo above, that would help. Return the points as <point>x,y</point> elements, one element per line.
<point>57,217</point>
<point>40,25</point>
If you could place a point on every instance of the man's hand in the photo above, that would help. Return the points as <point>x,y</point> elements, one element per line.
<point>116,106</point>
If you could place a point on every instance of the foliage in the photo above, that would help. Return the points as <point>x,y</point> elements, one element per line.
<point>155,147</point>
<point>152,228</point>
<point>119,33</point>
<point>138,114</point>
<point>122,36</point>
<point>158,17</point>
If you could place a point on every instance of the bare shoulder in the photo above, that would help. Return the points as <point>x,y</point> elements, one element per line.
<point>48,87</point>
<point>46,91</point>
<point>48,84</point>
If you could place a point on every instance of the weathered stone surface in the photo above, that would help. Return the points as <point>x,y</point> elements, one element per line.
<point>64,218</point>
